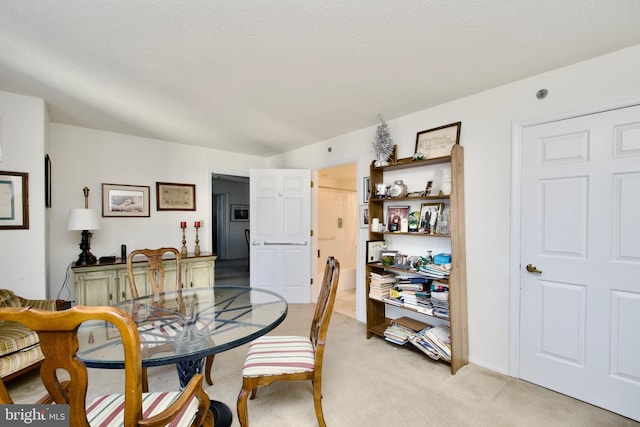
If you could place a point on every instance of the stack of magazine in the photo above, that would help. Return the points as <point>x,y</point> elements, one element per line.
<point>435,342</point>
<point>435,271</point>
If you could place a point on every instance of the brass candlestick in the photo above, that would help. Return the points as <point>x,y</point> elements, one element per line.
<point>196,251</point>
<point>183,252</point>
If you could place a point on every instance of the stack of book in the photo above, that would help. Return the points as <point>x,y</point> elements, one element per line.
<point>440,299</point>
<point>380,284</point>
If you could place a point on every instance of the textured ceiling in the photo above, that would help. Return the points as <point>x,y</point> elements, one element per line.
<point>265,77</point>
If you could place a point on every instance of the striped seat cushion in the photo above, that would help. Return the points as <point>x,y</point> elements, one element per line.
<point>108,410</point>
<point>275,355</point>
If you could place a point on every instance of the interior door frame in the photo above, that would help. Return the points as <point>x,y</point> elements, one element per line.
<point>516,200</point>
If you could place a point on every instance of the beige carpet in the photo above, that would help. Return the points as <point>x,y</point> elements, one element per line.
<point>374,383</point>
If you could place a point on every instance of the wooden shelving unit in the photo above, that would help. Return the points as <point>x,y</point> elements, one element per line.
<point>377,321</point>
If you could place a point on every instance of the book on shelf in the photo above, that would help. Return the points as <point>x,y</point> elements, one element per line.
<point>413,279</point>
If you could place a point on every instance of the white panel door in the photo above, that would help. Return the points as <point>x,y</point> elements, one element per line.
<point>280,224</point>
<point>580,265</point>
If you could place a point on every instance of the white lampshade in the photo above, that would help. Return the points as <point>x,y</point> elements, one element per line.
<point>83,219</point>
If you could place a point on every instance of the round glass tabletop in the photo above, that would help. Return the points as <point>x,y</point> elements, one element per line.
<point>185,325</point>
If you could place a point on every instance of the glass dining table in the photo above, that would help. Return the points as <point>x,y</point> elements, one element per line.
<point>184,327</point>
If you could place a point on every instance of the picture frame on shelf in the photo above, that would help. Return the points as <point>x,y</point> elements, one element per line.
<point>14,200</point>
<point>239,213</point>
<point>171,196</point>
<point>366,189</point>
<point>395,215</point>
<point>429,216</point>
<point>438,142</point>
<point>364,216</point>
<point>123,200</point>
<point>388,258</point>
<point>429,188</point>
<point>374,249</point>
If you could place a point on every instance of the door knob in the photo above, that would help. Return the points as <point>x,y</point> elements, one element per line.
<point>531,268</point>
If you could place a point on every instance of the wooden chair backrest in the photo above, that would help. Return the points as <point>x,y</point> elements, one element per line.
<point>59,343</point>
<point>324,308</point>
<point>156,271</point>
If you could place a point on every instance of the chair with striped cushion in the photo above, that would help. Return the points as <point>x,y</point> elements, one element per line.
<point>59,343</point>
<point>292,358</point>
<point>155,278</point>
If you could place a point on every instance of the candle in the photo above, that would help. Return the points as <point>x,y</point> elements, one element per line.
<point>183,224</point>
<point>375,224</point>
<point>196,224</point>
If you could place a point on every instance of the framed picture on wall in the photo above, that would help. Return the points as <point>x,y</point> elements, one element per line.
<point>364,216</point>
<point>171,196</point>
<point>239,213</point>
<point>125,200</point>
<point>14,200</point>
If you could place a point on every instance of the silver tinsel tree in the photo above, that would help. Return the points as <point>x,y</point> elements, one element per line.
<point>383,144</point>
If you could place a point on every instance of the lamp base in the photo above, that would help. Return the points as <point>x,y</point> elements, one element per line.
<point>86,257</point>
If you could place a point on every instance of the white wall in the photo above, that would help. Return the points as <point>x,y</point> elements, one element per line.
<point>487,120</point>
<point>86,157</point>
<point>22,252</point>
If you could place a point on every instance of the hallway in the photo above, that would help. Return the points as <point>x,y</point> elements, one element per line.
<point>234,272</point>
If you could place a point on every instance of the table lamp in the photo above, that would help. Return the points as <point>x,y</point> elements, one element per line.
<point>84,219</point>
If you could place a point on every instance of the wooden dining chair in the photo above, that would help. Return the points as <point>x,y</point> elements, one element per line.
<point>58,333</point>
<point>156,273</point>
<point>292,358</point>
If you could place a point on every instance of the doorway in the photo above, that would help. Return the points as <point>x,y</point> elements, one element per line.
<point>338,228</point>
<point>228,232</point>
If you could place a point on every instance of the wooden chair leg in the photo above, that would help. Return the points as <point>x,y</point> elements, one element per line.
<point>145,381</point>
<point>317,402</point>
<point>207,369</point>
<point>241,405</point>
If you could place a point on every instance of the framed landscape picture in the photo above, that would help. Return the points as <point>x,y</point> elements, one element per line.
<point>171,196</point>
<point>125,200</point>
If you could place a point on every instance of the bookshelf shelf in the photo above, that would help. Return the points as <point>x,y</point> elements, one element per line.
<point>377,310</point>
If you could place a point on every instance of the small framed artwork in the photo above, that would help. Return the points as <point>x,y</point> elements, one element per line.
<point>366,189</point>
<point>47,181</point>
<point>429,188</point>
<point>429,216</point>
<point>125,200</point>
<point>364,216</point>
<point>14,200</point>
<point>171,196</point>
<point>388,258</point>
<point>239,213</point>
<point>438,142</point>
<point>374,250</point>
<point>395,215</point>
